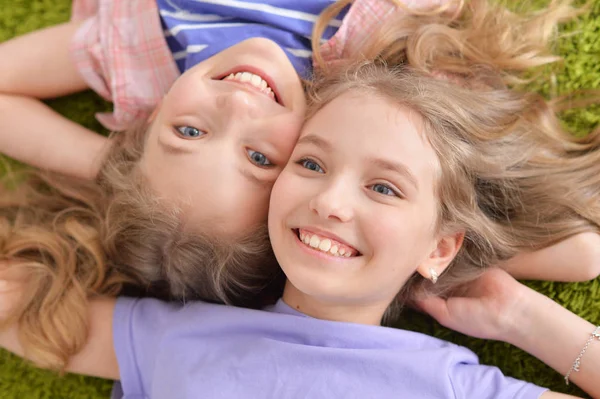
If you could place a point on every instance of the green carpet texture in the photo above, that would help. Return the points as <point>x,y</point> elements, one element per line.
<point>580,70</point>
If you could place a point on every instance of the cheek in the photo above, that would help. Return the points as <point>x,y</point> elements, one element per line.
<point>253,199</point>
<point>255,214</point>
<point>236,208</point>
<point>403,235</point>
<point>178,91</point>
<point>285,136</point>
<point>281,195</point>
<point>187,95</point>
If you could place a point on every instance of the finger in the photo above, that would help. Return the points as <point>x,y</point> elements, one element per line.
<point>436,307</point>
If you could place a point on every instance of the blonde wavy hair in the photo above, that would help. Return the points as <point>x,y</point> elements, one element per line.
<point>74,239</point>
<point>512,177</point>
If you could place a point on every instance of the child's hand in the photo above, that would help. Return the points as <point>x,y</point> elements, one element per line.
<point>485,308</point>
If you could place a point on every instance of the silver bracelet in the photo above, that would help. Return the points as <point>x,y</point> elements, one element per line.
<point>577,362</point>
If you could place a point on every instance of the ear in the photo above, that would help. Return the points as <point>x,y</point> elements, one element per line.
<point>442,255</point>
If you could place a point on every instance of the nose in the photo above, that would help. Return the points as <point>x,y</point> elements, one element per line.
<point>238,104</point>
<point>334,203</point>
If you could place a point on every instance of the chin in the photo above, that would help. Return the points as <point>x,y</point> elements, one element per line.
<point>265,45</point>
<point>318,287</point>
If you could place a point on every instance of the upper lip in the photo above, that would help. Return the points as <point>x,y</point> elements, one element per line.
<point>327,234</point>
<point>256,71</point>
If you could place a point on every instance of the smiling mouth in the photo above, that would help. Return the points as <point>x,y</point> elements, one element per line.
<point>325,245</point>
<point>254,81</point>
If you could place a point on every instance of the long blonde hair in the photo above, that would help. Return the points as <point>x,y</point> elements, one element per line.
<point>512,177</point>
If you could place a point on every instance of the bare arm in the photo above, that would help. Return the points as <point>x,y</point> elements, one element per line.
<point>33,133</point>
<point>574,259</point>
<point>556,336</point>
<point>97,358</point>
<point>498,307</point>
<point>38,66</point>
<point>555,395</point>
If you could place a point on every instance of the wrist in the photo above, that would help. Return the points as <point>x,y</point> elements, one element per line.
<point>546,330</point>
<point>521,318</point>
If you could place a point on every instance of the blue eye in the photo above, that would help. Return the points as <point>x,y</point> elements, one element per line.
<point>258,158</point>
<point>190,132</point>
<point>383,189</point>
<point>311,165</point>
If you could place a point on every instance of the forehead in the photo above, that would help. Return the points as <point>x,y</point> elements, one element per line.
<point>217,199</point>
<point>373,127</point>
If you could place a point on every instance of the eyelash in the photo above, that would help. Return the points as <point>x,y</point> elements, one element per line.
<point>394,192</point>
<point>302,161</point>
<point>179,130</point>
<point>266,166</point>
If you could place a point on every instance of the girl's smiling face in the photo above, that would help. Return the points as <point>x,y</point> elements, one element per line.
<point>222,135</point>
<point>353,214</point>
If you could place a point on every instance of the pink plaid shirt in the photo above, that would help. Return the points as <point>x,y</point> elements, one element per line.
<point>121,52</point>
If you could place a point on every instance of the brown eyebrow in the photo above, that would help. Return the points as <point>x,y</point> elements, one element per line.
<point>396,168</point>
<point>378,162</point>
<point>316,141</point>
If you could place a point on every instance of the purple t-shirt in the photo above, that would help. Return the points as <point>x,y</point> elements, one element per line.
<point>214,351</point>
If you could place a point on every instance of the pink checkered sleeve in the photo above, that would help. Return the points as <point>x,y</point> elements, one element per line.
<point>361,20</point>
<point>121,52</point>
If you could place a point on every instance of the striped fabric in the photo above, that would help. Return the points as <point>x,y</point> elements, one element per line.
<point>197,29</point>
<point>131,51</point>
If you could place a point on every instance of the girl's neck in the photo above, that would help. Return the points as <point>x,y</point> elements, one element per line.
<point>329,310</point>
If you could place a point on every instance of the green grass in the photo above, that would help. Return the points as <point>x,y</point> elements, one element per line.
<point>580,70</point>
<point>18,379</point>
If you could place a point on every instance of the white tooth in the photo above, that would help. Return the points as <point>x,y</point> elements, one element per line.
<point>341,251</point>
<point>301,235</point>
<point>306,239</point>
<point>263,84</point>
<point>314,241</point>
<point>333,250</point>
<point>246,77</point>
<point>325,245</point>
<point>256,80</point>
<point>347,254</point>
